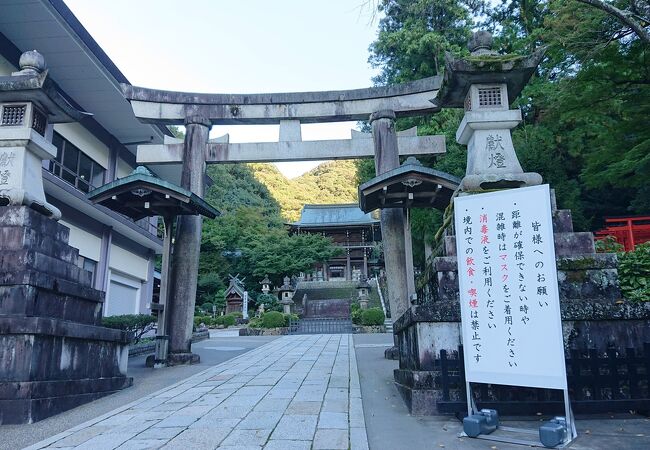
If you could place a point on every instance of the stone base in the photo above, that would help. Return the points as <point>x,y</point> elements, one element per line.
<point>392,353</point>
<point>54,355</point>
<point>179,359</point>
<point>417,391</point>
<point>30,402</point>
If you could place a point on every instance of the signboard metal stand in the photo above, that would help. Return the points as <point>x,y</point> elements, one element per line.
<point>510,308</point>
<point>570,422</point>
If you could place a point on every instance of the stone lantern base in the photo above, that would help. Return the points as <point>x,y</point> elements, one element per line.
<point>54,354</point>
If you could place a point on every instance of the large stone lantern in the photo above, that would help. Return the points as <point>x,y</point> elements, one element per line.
<point>363,289</point>
<point>285,293</point>
<point>484,84</point>
<point>29,102</point>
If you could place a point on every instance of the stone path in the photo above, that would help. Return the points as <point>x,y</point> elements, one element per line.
<point>297,392</point>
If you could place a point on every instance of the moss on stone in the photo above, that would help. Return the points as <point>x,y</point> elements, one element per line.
<point>582,263</point>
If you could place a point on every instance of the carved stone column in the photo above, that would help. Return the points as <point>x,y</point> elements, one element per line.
<point>187,246</point>
<point>392,219</point>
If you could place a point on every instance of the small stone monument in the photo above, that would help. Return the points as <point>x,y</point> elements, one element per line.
<point>266,284</point>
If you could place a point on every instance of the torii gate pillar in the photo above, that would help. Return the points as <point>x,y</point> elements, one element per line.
<point>394,232</point>
<point>185,266</point>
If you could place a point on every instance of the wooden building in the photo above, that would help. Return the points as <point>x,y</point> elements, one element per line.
<point>357,233</point>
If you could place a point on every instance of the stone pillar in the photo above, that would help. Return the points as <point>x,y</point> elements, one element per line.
<point>365,263</point>
<point>392,219</point>
<point>187,246</point>
<point>348,265</point>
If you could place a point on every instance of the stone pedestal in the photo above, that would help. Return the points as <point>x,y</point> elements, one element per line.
<point>54,354</point>
<point>593,317</point>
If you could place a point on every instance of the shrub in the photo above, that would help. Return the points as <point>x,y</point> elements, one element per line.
<point>255,322</point>
<point>273,319</point>
<point>608,244</point>
<point>228,320</point>
<point>236,314</point>
<point>198,320</point>
<point>355,315</point>
<point>634,273</point>
<point>372,316</point>
<point>135,324</point>
<point>290,317</point>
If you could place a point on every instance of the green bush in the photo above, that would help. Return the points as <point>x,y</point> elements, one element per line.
<point>228,320</point>
<point>272,319</point>
<point>372,316</point>
<point>236,314</point>
<point>355,315</point>
<point>634,273</point>
<point>608,244</point>
<point>255,322</point>
<point>135,324</point>
<point>290,317</point>
<point>198,320</point>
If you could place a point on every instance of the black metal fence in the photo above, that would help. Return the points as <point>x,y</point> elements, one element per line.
<point>599,382</point>
<point>320,326</point>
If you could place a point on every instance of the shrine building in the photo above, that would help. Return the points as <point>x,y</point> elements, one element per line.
<point>357,234</point>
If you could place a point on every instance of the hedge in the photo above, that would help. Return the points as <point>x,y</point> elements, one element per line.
<point>135,324</point>
<point>372,316</point>
<point>273,319</point>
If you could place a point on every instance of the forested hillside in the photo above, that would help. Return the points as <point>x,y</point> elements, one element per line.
<point>330,182</point>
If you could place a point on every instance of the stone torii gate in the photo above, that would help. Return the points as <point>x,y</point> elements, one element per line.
<point>198,112</point>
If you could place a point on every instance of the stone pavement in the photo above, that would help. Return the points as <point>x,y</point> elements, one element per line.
<point>296,392</point>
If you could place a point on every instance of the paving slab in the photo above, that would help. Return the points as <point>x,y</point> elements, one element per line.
<point>291,393</point>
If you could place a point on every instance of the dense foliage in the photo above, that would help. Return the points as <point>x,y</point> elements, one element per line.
<point>135,324</point>
<point>634,273</point>
<point>586,109</point>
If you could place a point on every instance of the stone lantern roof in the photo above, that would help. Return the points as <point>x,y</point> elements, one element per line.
<point>266,280</point>
<point>286,286</point>
<point>363,284</point>
<point>484,66</point>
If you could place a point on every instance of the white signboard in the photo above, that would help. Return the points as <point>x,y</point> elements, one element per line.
<point>510,308</point>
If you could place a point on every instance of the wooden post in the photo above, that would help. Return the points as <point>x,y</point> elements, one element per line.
<point>187,246</point>
<point>392,219</point>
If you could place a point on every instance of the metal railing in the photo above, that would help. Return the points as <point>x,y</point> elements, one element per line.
<point>320,326</point>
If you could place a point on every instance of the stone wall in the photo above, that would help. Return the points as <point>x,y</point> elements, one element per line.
<point>594,316</point>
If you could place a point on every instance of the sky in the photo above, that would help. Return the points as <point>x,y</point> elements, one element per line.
<point>242,46</point>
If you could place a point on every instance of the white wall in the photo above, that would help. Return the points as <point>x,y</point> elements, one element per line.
<point>87,143</point>
<point>5,67</point>
<point>129,263</point>
<point>123,169</point>
<point>88,244</point>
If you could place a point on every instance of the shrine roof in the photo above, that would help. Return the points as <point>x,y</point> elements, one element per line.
<point>142,194</point>
<point>314,216</point>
